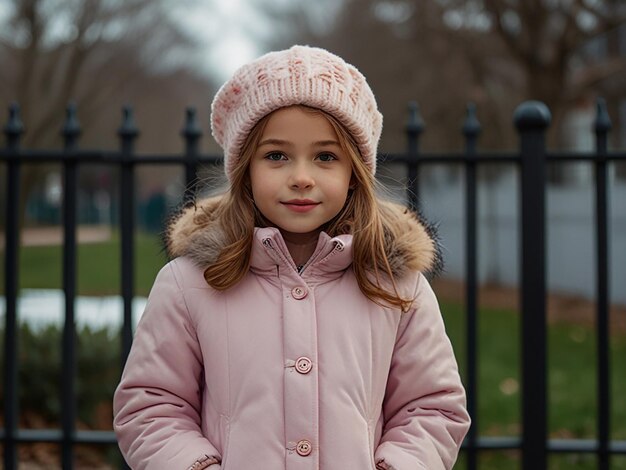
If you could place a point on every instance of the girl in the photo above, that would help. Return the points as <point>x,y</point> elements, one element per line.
<point>294,328</point>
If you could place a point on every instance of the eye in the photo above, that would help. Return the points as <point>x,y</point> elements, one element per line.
<point>275,157</point>
<point>326,157</point>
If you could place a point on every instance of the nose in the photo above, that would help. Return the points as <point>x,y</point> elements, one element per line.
<point>301,177</point>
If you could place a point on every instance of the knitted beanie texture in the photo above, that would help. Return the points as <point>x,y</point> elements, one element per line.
<point>303,75</point>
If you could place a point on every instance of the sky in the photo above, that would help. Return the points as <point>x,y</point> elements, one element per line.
<point>222,25</point>
<point>234,31</point>
<point>226,30</point>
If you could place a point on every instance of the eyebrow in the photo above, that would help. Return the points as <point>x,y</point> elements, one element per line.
<point>319,143</point>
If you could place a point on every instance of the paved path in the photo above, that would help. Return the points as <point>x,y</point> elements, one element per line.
<point>46,236</point>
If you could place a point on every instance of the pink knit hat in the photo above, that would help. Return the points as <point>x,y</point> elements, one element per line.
<point>300,75</point>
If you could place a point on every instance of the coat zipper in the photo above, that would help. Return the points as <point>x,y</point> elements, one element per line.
<point>339,246</point>
<point>267,243</point>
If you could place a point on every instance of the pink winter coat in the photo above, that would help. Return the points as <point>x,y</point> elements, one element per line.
<point>287,370</point>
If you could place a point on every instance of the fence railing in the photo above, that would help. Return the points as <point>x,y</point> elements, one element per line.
<point>531,119</point>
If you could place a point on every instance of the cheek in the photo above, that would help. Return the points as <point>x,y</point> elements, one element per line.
<point>258,195</point>
<point>256,179</point>
<point>342,184</point>
<point>262,188</point>
<point>340,192</point>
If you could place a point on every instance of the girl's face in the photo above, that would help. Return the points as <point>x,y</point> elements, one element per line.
<point>299,173</point>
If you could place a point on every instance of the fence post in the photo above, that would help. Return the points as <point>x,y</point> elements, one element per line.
<point>471,131</point>
<point>532,118</point>
<point>414,127</point>
<point>128,132</point>
<point>602,128</point>
<point>13,130</point>
<point>191,133</point>
<point>70,132</point>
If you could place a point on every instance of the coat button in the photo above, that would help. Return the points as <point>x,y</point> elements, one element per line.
<point>304,448</point>
<point>303,365</point>
<point>298,293</point>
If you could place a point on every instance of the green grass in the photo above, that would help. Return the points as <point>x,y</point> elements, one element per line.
<point>571,350</point>
<point>572,399</point>
<point>98,266</point>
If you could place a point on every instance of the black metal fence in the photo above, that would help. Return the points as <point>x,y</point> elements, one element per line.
<point>531,119</point>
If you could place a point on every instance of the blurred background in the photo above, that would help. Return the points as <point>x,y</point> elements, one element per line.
<point>164,56</point>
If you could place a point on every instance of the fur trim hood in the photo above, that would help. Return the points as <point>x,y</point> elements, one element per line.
<point>195,232</point>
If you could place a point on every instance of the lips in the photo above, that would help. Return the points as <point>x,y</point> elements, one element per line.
<point>301,202</point>
<point>300,205</point>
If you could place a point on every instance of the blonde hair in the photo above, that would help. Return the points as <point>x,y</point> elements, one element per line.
<point>371,221</point>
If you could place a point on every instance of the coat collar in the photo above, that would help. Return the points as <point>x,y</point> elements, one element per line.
<point>330,257</point>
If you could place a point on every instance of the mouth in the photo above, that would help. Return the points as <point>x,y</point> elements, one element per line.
<point>300,205</point>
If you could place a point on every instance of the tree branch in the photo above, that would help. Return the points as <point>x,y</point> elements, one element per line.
<point>513,43</point>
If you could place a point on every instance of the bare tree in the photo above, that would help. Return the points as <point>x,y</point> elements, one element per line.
<point>99,54</point>
<point>493,52</point>
<point>547,39</point>
<point>409,53</point>
<point>82,51</point>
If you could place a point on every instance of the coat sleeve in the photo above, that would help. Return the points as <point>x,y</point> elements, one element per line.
<point>424,406</point>
<point>157,405</point>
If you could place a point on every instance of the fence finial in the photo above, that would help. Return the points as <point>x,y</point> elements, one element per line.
<point>603,120</point>
<point>71,127</point>
<point>191,129</point>
<point>191,133</point>
<point>471,126</point>
<point>14,128</point>
<point>128,129</point>
<point>532,115</point>
<point>415,123</point>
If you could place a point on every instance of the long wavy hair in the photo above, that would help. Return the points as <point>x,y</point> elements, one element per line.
<point>371,221</point>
